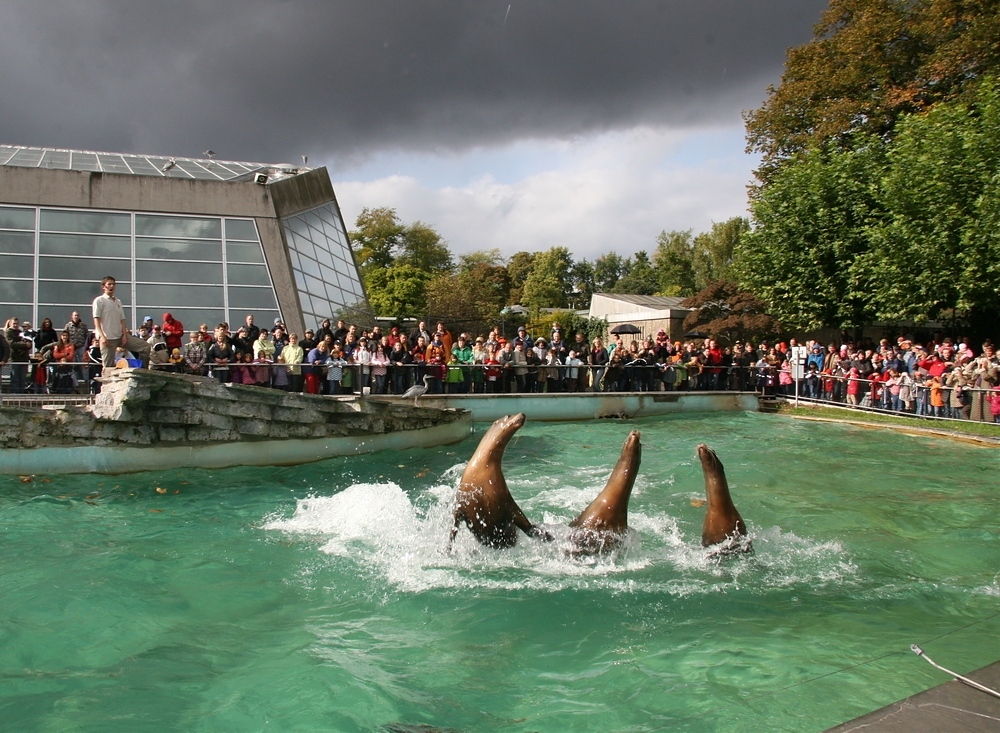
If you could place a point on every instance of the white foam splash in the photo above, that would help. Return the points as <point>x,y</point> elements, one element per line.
<point>404,541</point>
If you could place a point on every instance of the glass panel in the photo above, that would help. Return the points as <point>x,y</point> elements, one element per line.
<point>266,316</point>
<point>85,161</point>
<point>112,163</point>
<point>310,267</point>
<point>315,285</point>
<point>179,249</point>
<point>178,226</point>
<point>85,221</point>
<point>79,294</point>
<point>82,268</point>
<point>17,243</point>
<point>252,298</point>
<point>26,157</point>
<point>18,291</point>
<point>329,275</point>
<point>248,275</point>
<point>334,294</point>
<point>243,229</point>
<point>300,280</point>
<point>19,310</point>
<point>141,166</point>
<point>191,295</point>
<point>177,272</point>
<point>17,218</point>
<point>244,253</point>
<point>195,170</point>
<point>17,266</point>
<point>84,245</point>
<point>324,257</point>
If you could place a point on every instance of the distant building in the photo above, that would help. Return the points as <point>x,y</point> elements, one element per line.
<point>648,313</point>
<point>205,239</point>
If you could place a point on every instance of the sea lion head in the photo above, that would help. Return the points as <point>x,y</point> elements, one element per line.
<point>502,430</point>
<point>709,461</point>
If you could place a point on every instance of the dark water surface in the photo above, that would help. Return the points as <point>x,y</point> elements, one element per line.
<point>320,598</point>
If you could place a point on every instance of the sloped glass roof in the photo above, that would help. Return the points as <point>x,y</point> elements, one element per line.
<point>128,164</point>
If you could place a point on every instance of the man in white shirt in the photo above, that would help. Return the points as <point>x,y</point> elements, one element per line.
<point>109,325</point>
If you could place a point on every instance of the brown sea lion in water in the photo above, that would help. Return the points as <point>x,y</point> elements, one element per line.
<point>722,521</point>
<point>603,525</point>
<point>483,501</point>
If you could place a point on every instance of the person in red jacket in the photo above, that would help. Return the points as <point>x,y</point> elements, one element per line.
<point>173,332</point>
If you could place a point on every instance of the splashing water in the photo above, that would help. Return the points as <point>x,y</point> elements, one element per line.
<point>324,597</point>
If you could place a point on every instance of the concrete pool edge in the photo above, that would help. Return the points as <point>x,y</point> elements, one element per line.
<point>948,708</point>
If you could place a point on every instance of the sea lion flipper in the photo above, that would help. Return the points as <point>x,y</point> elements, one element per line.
<point>722,520</point>
<point>532,530</point>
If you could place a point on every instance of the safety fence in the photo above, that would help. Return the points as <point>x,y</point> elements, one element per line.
<point>915,397</point>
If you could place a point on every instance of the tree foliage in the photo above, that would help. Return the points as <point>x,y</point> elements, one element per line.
<point>377,237</point>
<point>898,230</point>
<point>812,222</point>
<point>674,261</point>
<point>397,291</point>
<point>727,313</point>
<point>640,278</point>
<point>423,248</point>
<point>870,62</point>
<point>547,285</point>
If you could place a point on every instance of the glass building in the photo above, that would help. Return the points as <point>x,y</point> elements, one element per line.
<point>206,240</point>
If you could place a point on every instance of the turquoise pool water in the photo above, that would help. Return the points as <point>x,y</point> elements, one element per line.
<point>319,598</point>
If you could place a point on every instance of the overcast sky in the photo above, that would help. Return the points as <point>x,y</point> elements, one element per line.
<point>518,125</point>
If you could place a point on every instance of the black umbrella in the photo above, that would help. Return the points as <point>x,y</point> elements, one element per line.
<point>625,328</point>
<point>695,335</point>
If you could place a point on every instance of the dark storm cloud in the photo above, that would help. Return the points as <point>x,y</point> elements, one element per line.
<point>264,80</point>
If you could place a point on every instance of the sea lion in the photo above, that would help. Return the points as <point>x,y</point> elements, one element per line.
<point>603,525</point>
<point>483,500</point>
<point>722,521</point>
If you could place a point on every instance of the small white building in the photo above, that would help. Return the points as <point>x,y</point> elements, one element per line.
<point>648,313</point>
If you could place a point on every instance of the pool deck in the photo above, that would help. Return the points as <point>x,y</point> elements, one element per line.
<point>948,708</point>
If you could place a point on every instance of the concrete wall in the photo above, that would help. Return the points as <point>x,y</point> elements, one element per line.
<point>85,190</point>
<point>149,408</point>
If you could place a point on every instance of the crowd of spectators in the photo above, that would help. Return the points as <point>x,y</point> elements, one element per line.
<point>938,378</point>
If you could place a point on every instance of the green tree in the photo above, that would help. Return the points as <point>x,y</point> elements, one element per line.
<point>641,279</point>
<point>377,237</point>
<point>713,250</point>
<point>582,282</point>
<point>870,62</point>
<point>397,291</point>
<point>674,263</point>
<point>608,270</point>
<point>519,268</point>
<point>423,248</point>
<point>937,251</point>
<point>548,284</point>
<point>471,260</point>
<point>811,222</point>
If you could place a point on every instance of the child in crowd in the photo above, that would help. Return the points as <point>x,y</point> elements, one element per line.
<point>454,378</point>
<point>262,369</point>
<point>853,386</point>
<point>335,371</point>
<point>279,375</point>
<point>994,398</point>
<point>937,396</point>
<point>176,361</point>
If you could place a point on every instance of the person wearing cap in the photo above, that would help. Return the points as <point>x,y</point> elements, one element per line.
<point>523,338</point>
